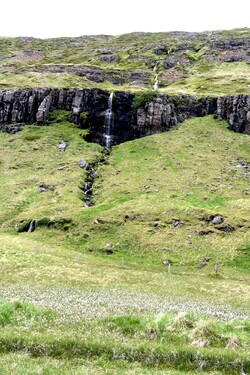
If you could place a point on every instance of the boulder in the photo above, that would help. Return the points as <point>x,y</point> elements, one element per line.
<point>217,220</point>
<point>83,164</point>
<point>62,146</point>
<point>93,174</point>
<point>44,187</point>
<point>44,109</point>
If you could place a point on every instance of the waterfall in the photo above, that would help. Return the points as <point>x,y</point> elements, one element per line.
<point>155,86</point>
<point>32,226</point>
<point>109,123</point>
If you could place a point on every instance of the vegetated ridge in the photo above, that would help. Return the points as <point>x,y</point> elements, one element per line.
<point>209,63</point>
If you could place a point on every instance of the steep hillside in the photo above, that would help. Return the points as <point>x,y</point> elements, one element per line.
<point>209,63</point>
<point>154,197</point>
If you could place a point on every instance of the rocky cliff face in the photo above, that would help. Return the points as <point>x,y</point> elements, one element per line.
<point>33,105</point>
<point>236,110</point>
<point>165,111</point>
<point>18,107</point>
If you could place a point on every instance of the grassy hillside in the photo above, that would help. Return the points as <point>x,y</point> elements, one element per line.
<point>214,63</point>
<point>69,302</point>
<point>153,195</point>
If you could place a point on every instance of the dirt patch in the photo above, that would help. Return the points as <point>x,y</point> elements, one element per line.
<point>26,56</point>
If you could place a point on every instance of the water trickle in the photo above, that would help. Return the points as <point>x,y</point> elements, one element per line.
<point>155,86</point>
<point>109,123</point>
<point>32,226</point>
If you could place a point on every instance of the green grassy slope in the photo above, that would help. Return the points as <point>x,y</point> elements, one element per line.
<point>154,199</point>
<point>202,63</point>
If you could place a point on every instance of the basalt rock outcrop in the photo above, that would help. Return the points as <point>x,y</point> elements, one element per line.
<point>165,111</point>
<point>87,107</point>
<point>236,110</point>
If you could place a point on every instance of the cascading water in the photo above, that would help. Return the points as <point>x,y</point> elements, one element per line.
<point>155,87</point>
<point>109,123</point>
<point>32,226</point>
<point>156,69</point>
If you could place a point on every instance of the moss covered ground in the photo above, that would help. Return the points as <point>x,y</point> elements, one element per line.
<point>200,63</point>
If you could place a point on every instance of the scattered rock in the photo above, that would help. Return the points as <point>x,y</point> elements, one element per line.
<point>217,220</point>
<point>243,164</point>
<point>226,228</point>
<point>207,259</point>
<point>93,174</point>
<point>11,128</point>
<point>155,224</point>
<point>177,223</point>
<point>62,146</point>
<point>83,164</point>
<point>166,262</point>
<point>129,217</point>
<point>205,232</point>
<point>108,251</point>
<point>109,245</point>
<point>109,58</point>
<point>45,187</point>
<point>201,265</point>
<point>245,191</point>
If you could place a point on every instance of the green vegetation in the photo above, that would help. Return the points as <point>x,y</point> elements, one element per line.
<point>202,64</point>
<point>86,292</point>
<point>84,118</point>
<point>154,343</point>
<point>146,344</point>
<point>213,79</point>
<point>142,98</point>
<point>68,304</point>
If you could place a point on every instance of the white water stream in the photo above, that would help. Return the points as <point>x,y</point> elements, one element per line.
<point>155,86</point>
<point>108,123</point>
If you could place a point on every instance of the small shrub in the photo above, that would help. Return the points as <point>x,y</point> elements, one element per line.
<point>206,334</point>
<point>128,325</point>
<point>32,137</point>
<point>183,321</point>
<point>142,98</point>
<point>43,222</point>
<point>84,118</point>
<point>59,115</point>
<point>6,313</point>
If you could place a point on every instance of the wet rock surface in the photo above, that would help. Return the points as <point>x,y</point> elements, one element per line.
<point>18,107</point>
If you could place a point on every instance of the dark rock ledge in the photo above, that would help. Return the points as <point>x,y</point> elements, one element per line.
<point>19,107</point>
